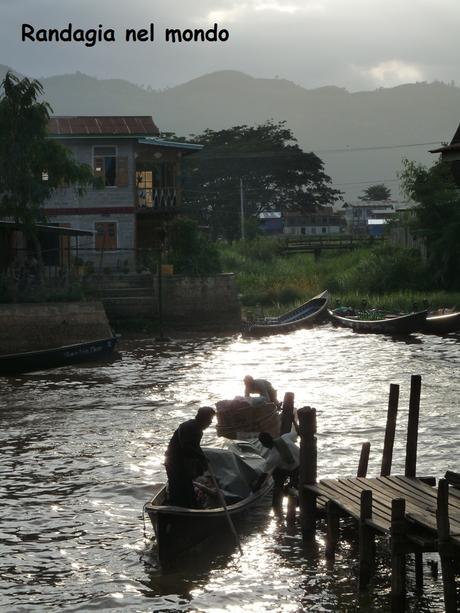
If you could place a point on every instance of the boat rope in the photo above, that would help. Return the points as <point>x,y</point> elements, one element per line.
<point>143,519</point>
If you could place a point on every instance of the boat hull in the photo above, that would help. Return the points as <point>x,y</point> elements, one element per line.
<point>180,531</point>
<point>308,314</point>
<point>58,356</point>
<point>397,325</point>
<point>442,324</point>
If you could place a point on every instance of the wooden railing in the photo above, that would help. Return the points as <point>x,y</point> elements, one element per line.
<point>312,244</point>
<point>157,198</point>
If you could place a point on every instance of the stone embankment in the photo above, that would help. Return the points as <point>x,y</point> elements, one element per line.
<point>187,302</point>
<point>30,326</point>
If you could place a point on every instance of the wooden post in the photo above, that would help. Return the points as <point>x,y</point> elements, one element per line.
<point>412,426</point>
<point>291,508</point>
<point>419,572</point>
<point>333,525</point>
<point>363,460</point>
<point>366,541</point>
<point>287,414</point>
<point>308,469</point>
<point>390,430</point>
<point>398,556</point>
<point>447,563</point>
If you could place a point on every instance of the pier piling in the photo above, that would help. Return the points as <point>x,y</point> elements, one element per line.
<point>387,457</point>
<point>308,469</point>
<point>363,460</point>
<point>398,555</point>
<point>412,426</point>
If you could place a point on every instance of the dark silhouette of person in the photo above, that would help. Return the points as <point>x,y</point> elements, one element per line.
<point>185,460</point>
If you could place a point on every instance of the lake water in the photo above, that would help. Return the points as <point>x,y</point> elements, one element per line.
<point>82,446</point>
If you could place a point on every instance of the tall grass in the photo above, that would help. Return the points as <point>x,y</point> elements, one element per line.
<point>391,279</point>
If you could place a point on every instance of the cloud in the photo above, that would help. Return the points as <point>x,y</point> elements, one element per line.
<point>253,8</point>
<point>394,72</point>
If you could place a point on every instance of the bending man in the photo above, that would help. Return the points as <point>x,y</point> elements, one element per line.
<point>185,460</point>
<point>260,386</point>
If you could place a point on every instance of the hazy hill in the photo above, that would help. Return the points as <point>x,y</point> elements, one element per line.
<point>321,119</point>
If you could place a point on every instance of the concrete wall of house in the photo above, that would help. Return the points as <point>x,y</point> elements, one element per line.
<point>125,224</point>
<point>29,327</point>
<point>108,196</point>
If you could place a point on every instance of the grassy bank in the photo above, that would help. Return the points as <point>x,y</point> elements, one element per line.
<point>386,278</point>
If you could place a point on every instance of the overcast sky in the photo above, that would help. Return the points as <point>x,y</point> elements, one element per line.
<point>356,44</point>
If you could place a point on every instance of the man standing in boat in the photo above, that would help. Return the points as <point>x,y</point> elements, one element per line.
<point>282,461</point>
<point>185,460</point>
<point>260,386</point>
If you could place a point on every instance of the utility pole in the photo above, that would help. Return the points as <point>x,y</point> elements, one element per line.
<point>242,209</point>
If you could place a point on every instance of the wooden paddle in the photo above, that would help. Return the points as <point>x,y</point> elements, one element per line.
<point>224,505</point>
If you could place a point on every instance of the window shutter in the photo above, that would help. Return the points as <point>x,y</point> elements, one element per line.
<point>122,172</point>
<point>99,168</point>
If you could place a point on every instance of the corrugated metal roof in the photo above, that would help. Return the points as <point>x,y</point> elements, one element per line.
<point>102,125</point>
<point>161,142</point>
<point>13,225</point>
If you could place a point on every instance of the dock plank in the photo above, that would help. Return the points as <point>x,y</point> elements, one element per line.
<point>421,502</point>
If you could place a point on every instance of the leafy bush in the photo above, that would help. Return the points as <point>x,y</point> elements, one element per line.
<point>191,253</point>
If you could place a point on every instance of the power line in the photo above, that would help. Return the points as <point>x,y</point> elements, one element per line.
<point>376,147</point>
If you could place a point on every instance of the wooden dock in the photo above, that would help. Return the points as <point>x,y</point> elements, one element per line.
<point>416,515</point>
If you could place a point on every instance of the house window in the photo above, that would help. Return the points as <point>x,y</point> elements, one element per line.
<point>106,235</point>
<point>324,230</point>
<point>302,230</point>
<point>144,181</point>
<point>105,165</point>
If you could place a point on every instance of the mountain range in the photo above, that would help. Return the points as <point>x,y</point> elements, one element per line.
<point>362,137</point>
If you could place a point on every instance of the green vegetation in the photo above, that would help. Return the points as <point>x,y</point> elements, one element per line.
<point>265,163</point>
<point>386,277</point>
<point>32,165</point>
<point>189,250</point>
<point>68,291</point>
<point>437,218</point>
<point>376,193</point>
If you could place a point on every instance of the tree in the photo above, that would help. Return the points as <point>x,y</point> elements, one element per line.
<point>266,162</point>
<point>32,166</point>
<point>437,218</point>
<point>376,193</point>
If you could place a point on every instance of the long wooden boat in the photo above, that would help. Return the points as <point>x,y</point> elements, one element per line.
<point>182,531</point>
<point>307,314</point>
<point>58,356</point>
<point>442,324</point>
<point>388,324</point>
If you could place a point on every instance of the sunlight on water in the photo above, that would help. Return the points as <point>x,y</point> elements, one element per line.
<point>82,446</point>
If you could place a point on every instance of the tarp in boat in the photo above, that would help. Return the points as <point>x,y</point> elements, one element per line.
<point>235,469</point>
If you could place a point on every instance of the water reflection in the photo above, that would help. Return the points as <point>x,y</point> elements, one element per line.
<point>81,447</point>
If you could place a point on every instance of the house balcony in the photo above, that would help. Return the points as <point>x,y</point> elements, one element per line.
<point>157,199</point>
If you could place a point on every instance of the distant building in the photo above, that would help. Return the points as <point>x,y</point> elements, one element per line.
<point>322,222</point>
<point>271,222</point>
<point>370,217</point>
